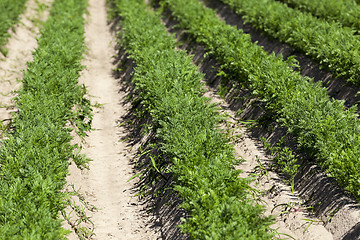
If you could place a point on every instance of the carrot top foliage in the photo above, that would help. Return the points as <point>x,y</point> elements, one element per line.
<point>34,159</point>
<point>346,12</point>
<point>9,15</point>
<point>198,155</point>
<point>323,129</point>
<point>334,47</point>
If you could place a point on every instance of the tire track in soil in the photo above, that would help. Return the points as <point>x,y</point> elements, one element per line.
<point>20,45</point>
<point>105,185</point>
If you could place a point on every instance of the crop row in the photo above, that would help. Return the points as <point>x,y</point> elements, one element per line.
<point>197,154</point>
<point>323,129</point>
<point>334,47</point>
<point>9,15</point>
<point>346,12</point>
<point>36,155</point>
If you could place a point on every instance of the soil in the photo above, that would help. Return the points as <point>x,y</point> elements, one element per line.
<point>110,200</point>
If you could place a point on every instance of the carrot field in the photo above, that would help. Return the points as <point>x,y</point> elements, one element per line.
<point>168,119</point>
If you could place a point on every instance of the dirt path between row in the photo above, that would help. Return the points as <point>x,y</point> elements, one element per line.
<point>105,186</point>
<point>20,45</point>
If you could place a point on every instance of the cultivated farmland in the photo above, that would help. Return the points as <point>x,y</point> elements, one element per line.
<point>191,119</point>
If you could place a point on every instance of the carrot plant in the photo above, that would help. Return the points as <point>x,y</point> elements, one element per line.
<point>322,127</point>
<point>35,157</point>
<point>9,15</point>
<point>334,47</point>
<point>346,12</point>
<point>199,157</point>
<point>284,159</point>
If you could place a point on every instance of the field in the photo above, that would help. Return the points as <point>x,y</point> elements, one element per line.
<point>166,119</point>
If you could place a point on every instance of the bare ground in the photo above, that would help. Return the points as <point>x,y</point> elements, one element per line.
<point>112,208</point>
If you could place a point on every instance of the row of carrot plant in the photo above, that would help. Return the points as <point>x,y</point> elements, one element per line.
<point>37,152</point>
<point>322,127</point>
<point>9,15</point>
<point>346,12</point>
<point>198,155</point>
<point>334,47</point>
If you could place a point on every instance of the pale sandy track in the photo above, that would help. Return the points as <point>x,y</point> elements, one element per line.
<point>106,185</point>
<point>20,45</point>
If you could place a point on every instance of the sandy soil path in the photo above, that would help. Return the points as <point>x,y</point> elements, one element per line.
<point>106,185</point>
<point>20,45</point>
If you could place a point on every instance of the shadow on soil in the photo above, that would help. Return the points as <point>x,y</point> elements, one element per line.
<point>331,203</point>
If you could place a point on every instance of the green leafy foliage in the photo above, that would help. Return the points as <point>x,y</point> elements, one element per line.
<point>220,204</point>
<point>35,157</point>
<point>285,160</point>
<point>9,15</point>
<point>321,125</point>
<point>334,47</point>
<point>346,12</point>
